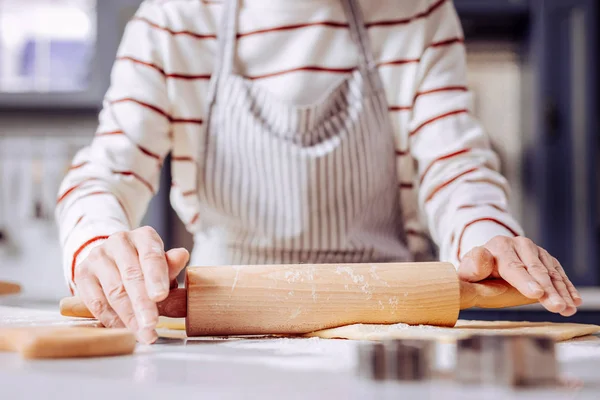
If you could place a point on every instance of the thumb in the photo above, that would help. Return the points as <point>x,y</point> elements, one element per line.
<point>177,259</point>
<point>477,265</point>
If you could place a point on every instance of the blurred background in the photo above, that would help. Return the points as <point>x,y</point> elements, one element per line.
<point>532,66</point>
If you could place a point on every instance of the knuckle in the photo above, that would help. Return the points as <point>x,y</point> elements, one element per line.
<point>502,242</point>
<point>129,319</point>
<point>96,254</point>
<point>82,273</point>
<point>147,230</point>
<point>116,293</point>
<point>523,240</point>
<point>537,268</point>
<point>97,306</point>
<point>526,243</point>
<point>119,236</point>
<point>133,273</point>
<point>152,256</point>
<point>112,322</point>
<point>557,264</point>
<point>514,265</point>
<point>555,275</point>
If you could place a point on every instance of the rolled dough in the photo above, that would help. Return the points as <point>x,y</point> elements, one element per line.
<point>558,331</point>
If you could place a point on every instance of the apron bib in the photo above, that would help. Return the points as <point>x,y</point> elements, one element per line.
<point>281,183</point>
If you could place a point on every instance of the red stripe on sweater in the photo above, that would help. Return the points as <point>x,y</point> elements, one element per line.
<point>192,192</point>
<point>141,148</point>
<point>172,32</point>
<point>159,111</point>
<point>110,133</point>
<point>446,42</point>
<point>137,61</point>
<point>162,72</point>
<point>406,185</point>
<point>497,207</point>
<point>404,21</point>
<point>72,189</point>
<point>312,68</point>
<point>143,104</point>
<point>399,62</point>
<point>441,89</point>
<point>402,153</point>
<point>80,249</point>
<point>328,24</point>
<point>195,219</point>
<point>443,158</point>
<point>448,182</point>
<point>77,166</point>
<point>434,119</point>
<point>399,108</point>
<point>136,176</point>
<point>489,219</point>
<point>183,159</point>
<point>78,221</point>
<point>187,121</point>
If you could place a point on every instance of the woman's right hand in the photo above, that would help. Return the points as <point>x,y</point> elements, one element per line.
<point>122,279</point>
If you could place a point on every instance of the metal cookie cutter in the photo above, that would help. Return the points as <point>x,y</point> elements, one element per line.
<point>506,360</point>
<point>396,360</point>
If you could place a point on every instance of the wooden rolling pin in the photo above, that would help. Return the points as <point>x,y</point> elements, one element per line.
<point>7,288</point>
<point>298,299</point>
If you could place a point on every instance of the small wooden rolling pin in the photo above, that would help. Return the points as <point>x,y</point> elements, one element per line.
<point>7,288</point>
<point>298,299</point>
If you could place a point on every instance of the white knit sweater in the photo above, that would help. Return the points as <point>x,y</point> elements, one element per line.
<point>297,49</point>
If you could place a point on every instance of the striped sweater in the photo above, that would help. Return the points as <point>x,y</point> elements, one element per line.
<point>448,178</point>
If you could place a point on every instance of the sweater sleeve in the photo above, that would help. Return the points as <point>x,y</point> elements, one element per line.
<point>462,195</point>
<point>111,181</point>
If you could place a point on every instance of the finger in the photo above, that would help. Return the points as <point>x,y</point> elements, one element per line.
<point>476,265</point>
<point>513,271</point>
<point>177,259</point>
<point>93,297</point>
<point>559,284</point>
<point>153,262</point>
<point>570,287</point>
<point>528,252</point>
<point>146,312</point>
<point>109,278</point>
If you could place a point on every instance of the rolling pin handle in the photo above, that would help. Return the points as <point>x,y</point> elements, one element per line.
<point>174,306</point>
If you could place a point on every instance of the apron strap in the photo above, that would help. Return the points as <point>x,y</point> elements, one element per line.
<point>225,54</point>
<point>360,36</point>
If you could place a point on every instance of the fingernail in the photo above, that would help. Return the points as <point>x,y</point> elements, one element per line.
<point>148,318</point>
<point>535,288</point>
<point>147,336</point>
<point>558,302</point>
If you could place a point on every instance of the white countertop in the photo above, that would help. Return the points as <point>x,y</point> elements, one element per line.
<point>259,368</point>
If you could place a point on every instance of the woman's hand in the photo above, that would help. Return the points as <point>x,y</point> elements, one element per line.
<point>121,280</point>
<point>529,268</point>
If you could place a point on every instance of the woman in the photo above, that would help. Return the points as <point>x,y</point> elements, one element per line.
<point>300,131</point>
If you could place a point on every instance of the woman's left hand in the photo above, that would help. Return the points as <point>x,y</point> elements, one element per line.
<point>526,266</point>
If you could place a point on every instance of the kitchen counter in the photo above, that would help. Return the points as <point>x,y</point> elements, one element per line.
<point>265,368</point>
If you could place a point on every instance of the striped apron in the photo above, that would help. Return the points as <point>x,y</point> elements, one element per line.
<point>282,183</point>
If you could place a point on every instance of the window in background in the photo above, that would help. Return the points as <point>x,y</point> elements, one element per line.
<point>46,45</point>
